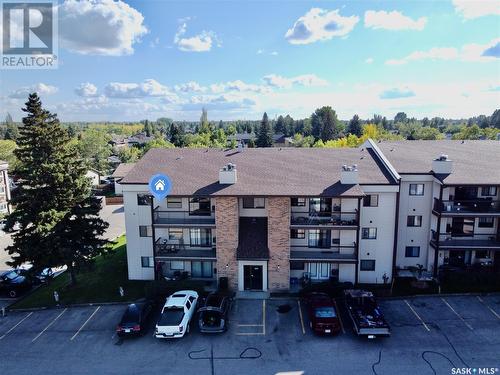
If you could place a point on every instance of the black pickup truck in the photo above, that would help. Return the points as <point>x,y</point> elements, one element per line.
<point>365,314</point>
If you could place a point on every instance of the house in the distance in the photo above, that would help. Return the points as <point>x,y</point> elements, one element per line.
<point>120,172</point>
<point>4,188</point>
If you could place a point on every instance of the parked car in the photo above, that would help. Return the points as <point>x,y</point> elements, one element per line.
<point>323,314</point>
<point>135,319</point>
<point>213,316</point>
<point>14,228</point>
<point>13,284</point>
<point>36,278</point>
<point>366,316</point>
<point>176,315</point>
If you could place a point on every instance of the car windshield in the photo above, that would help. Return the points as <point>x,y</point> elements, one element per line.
<point>325,312</point>
<point>171,316</point>
<point>10,275</point>
<point>131,315</point>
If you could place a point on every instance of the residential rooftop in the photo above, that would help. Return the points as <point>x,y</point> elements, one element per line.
<point>260,171</point>
<point>474,162</point>
<point>122,170</point>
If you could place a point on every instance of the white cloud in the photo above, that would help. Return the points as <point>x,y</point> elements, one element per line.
<point>190,86</point>
<point>260,51</point>
<point>238,86</point>
<point>474,9</point>
<point>148,88</point>
<point>198,43</point>
<point>397,93</point>
<point>302,80</point>
<point>86,89</point>
<point>369,60</point>
<point>100,27</point>
<point>319,24</point>
<point>274,53</point>
<point>39,88</point>
<point>392,21</point>
<point>469,52</point>
<point>218,102</point>
<point>154,43</point>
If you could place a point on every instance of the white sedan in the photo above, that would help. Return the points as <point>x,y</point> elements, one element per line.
<point>176,315</point>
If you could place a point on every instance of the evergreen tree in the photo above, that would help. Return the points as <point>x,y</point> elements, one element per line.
<point>355,126</point>
<point>176,135</point>
<point>400,117</point>
<point>279,128</point>
<point>59,219</point>
<point>11,131</point>
<point>325,125</point>
<point>265,136</point>
<point>495,119</point>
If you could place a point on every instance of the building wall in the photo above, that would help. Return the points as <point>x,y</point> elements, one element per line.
<point>226,221</point>
<point>4,189</point>
<point>279,243</point>
<point>137,246</point>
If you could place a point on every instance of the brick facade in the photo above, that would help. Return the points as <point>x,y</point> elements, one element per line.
<point>226,221</point>
<point>278,210</point>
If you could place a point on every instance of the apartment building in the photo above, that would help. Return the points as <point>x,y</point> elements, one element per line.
<point>268,218</point>
<point>4,188</point>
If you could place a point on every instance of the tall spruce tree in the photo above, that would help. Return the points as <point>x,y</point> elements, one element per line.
<point>355,126</point>
<point>325,125</point>
<point>59,219</point>
<point>265,136</point>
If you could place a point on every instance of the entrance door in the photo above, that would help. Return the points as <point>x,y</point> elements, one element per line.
<point>252,276</point>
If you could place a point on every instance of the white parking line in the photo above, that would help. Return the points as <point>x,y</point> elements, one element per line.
<point>263,316</point>
<point>84,324</point>
<point>48,326</point>
<point>263,325</point>
<point>10,330</point>
<point>301,318</point>
<point>418,317</point>
<point>457,314</point>
<point>340,318</point>
<point>488,307</point>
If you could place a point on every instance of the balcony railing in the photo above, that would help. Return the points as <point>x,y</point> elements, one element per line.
<point>450,240</point>
<point>334,253</point>
<point>178,249</point>
<point>481,206</point>
<point>324,219</point>
<point>183,218</point>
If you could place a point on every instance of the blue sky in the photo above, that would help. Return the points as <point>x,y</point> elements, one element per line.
<point>126,61</point>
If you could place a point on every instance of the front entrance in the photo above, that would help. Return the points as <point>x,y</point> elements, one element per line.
<point>252,277</point>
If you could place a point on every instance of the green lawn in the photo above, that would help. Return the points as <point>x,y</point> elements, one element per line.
<point>99,284</point>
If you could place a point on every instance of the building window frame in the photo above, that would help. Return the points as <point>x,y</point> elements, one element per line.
<point>417,190</point>
<point>173,234</point>
<point>174,202</point>
<point>412,251</point>
<point>179,265</point>
<point>414,221</point>
<point>488,191</point>
<point>145,231</point>
<point>147,262</point>
<point>367,264</point>
<point>144,199</point>
<point>486,222</point>
<point>298,233</point>
<point>298,202</point>
<point>369,233</point>
<point>370,200</point>
<point>254,203</point>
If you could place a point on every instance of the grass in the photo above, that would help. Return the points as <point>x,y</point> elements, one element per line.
<point>99,284</point>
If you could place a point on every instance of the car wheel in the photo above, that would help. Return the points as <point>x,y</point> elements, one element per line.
<point>12,294</point>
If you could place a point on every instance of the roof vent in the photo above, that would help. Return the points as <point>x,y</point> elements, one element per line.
<point>240,147</point>
<point>349,174</point>
<point>228,174</point>
<point>442,165</point>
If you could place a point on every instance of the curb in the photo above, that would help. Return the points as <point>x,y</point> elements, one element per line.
<point>71,305</point>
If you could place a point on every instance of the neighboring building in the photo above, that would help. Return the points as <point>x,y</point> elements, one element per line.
<point>120,172</point>
<point>279,140</point>
<point>94,176</point>
<point>4,188</point>
<point>266,218</point>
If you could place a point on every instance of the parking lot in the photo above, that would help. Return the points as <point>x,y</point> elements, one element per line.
<point>429,335</point>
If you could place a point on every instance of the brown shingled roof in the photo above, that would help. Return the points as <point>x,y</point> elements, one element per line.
<point>261,171</point>
<point>122,170</point>
<point>474,162</point>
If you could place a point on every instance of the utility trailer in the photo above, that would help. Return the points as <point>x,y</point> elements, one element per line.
<point>366,316</point>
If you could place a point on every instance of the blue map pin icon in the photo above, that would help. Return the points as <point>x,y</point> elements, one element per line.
<point>160,186</point>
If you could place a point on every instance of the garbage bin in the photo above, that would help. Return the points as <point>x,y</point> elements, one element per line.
<point>223,283</point>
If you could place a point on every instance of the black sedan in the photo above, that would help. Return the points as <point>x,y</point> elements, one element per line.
<point>213,315</point>
<point>13,284</point>
<point>136,319</point>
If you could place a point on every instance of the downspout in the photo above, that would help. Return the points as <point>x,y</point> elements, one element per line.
<point>396,229</point>
<point>153,236</point>
<point>357,243</point>
<point>438,230</point>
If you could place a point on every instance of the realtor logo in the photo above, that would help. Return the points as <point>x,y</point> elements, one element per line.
<point>29,35</point>
<point>160,186</point>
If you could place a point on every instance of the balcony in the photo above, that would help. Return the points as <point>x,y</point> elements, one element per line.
<point>335,253</point>
<point>447,241</point>
<point>347,220</point>
<point>478,207</point>
<point>183,218</point>
<point>177,250</point>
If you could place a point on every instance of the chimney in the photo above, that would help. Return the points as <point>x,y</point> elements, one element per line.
<point>349,174</point>
<point>442,165</point>
<point>227,174</point>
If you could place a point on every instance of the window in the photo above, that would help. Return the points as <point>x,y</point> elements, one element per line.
<point>412,251</point>
<point>174,202</point>
<point>143,200</point>
<point>416,189</point>
<point>319,270</point>
<point>201,269</point>
<point>414,221</point>
<point>486,222</point>
<point>482,254</point>
<point>200,237</point>
<point>145,231</point>
<point>370,200</point>
<point>177,265</point>
<point>298,202</point>
<point>367,265</point>
<point>254,203</point>
<point>297,233</point>
<point>147,262</point>
<point>319,238</point>
<point>320,206</point>
<point>489,191</point>
<point>297,265</point>
<point>369,233</point>
<point>175,233</point>
<point>199,206</point>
